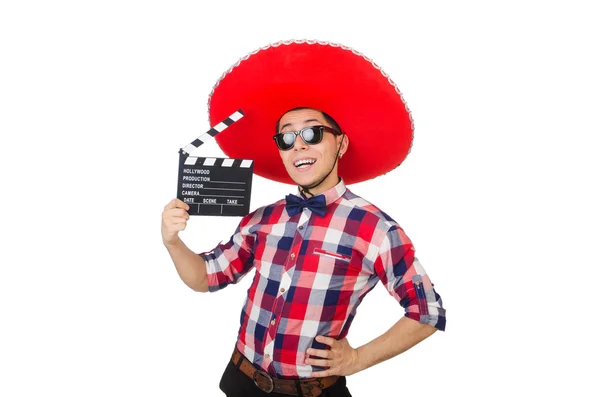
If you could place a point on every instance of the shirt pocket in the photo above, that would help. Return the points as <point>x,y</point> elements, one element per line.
<point>338,272</point>
<point>332,255</point>
<point>338,261</point>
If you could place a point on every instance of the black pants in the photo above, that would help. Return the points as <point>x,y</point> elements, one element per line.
<point>234,383</point>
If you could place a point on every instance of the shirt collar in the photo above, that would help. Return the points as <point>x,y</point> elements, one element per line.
<point>332,194</point>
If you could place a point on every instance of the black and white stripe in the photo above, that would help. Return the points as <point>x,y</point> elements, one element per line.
<point>210,134</point>
<point>218,162</point>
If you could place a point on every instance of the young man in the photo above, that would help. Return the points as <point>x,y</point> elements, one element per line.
<point>316,255</point>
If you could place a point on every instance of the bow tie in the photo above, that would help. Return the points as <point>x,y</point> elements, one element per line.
<point>295,204</point>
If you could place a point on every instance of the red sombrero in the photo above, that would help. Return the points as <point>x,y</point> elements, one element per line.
<point>335,79</point>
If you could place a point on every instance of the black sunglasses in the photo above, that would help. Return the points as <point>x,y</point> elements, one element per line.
<point>311,135</point>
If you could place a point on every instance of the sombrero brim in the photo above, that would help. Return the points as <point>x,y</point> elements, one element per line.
<point>335,79</point>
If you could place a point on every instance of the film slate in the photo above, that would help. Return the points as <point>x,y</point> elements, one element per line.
<point>215,186</point>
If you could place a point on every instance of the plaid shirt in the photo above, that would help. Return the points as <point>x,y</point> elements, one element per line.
<point>311,275</point>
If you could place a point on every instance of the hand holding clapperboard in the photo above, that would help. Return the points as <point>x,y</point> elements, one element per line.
<point>214,186</point>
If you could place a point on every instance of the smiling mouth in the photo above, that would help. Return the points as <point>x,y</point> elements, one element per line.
<point>304,163</point>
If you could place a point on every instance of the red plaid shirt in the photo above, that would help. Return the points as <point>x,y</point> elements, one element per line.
<point>311,275</point>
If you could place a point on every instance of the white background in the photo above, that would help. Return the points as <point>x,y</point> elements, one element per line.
<point>499,193</point>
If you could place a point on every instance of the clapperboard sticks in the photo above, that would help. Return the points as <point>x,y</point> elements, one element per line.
<point>214,186</point>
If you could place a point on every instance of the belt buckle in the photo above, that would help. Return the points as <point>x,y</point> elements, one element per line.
<point>267,376</point>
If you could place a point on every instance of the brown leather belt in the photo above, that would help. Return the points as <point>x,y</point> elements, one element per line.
<point>308,387</point>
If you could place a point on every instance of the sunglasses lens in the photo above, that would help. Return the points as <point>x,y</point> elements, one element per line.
<point>285,140</point>
<point>311,135</point>
<point>288,139</point>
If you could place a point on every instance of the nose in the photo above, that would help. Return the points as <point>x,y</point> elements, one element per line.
<point>299,143</point>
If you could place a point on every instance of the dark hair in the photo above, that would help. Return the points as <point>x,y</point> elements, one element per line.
<point>327,118</point>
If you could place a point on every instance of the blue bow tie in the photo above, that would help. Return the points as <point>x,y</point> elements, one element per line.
<point>295,204</point>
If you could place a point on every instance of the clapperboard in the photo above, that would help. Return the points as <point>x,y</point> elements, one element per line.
<point>214,186</point>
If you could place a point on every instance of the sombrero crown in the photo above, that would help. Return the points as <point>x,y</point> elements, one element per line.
<point>329,77</point>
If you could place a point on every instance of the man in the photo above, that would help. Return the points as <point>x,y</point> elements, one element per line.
<point>316,254</point>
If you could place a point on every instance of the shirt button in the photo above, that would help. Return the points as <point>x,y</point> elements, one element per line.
<point>301,227</point>
<point>267,356</point>
<point>282,290</point>
<point>293,255</point>
<point>272,322</point>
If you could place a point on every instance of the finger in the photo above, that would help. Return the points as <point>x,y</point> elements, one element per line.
<point>177,221</point>
<point>176,203</point>
<point>322,374</point>
<point>181,204</point>
<point>320,363</point>
<point>326,340</point>
<point>171,204</point>
<point>320,353</point>
<point>170,219</point>
<point>178,212</point>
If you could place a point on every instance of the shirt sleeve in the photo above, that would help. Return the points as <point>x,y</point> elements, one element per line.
<point>406,280</point>
<point>228,263</point>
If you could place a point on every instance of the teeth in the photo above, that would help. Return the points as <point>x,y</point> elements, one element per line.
<point>303,162</point>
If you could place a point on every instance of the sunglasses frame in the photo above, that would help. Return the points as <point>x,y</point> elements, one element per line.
<point>320,128</point>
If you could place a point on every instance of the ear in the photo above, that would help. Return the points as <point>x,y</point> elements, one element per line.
<point>345,142</point>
